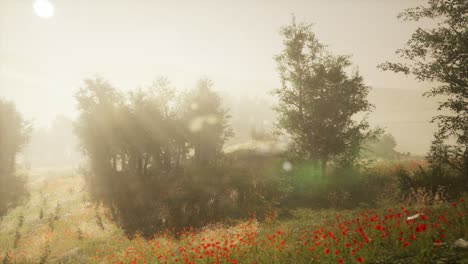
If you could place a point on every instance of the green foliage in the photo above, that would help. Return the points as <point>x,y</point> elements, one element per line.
<point>157,159</point>
<point>444,175</point>
<point>439,54</point>
<point>318,99</point>
<point>342,188</point>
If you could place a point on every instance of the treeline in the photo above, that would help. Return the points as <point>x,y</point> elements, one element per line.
<point>150,129</point>
<point>157,158</point>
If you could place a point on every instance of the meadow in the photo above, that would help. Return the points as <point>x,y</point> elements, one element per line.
<point>58,223</point>
<point>276,153</point>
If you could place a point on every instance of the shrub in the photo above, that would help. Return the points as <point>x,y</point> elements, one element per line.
<point>343,188</point>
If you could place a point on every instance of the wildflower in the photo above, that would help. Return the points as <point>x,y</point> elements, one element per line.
<point>421,228</point>
<point>406,244</point>
<point>327,251</point>
<point>341,261</point>
<point>460,243</point>
<point>360,259</point>
<point>413,217</point>
<point>379,227</point>
<point>443,218</point>
<point>438,243</point>
<point>337,252</point>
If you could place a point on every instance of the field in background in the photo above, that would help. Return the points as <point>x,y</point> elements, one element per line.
<point>59,224</point>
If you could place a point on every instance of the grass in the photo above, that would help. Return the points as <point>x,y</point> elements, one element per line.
<point>74,230</point>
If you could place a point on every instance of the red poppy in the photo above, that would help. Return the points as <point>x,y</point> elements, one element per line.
<point>421,228</point>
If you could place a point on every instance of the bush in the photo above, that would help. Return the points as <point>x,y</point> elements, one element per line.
<point>341,188</point>
<point>444,178</point>
<point>13,189</point>
<point>191,198</point>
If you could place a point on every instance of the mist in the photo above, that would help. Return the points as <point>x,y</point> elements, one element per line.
<point>228,132</point>
<point>132,44</point>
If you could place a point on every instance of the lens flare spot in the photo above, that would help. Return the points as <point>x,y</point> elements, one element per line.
<point>287,166</point>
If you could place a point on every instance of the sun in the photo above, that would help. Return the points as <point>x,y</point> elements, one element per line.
<point>43,8</point>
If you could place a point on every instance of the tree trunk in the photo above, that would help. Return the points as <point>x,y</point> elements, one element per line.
<point>324,166</point>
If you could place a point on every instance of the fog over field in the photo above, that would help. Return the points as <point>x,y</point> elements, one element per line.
<point>233,43</point>
<point>233,131</point>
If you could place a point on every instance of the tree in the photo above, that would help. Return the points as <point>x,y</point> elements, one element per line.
<point>207,122</point>
<point>157,159</point>
<point>440,54</point>
<point>97,128</point>
<point>382,147</point>
<point>318,99</point>
<point>14,134</point>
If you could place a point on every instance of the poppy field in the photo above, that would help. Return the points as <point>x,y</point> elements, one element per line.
<point>60,225</point>
<point>399,235</point>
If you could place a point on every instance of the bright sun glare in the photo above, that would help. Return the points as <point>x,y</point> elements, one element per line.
<point>43,8</point>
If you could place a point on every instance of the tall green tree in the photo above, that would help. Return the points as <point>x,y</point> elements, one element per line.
<point>439,54</point>
<point>319,99</point>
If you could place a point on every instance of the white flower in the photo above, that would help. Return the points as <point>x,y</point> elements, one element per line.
<point>460,243</point>
<point>413,217</point>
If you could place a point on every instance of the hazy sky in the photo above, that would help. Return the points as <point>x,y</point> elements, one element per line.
<point>131,42</point>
